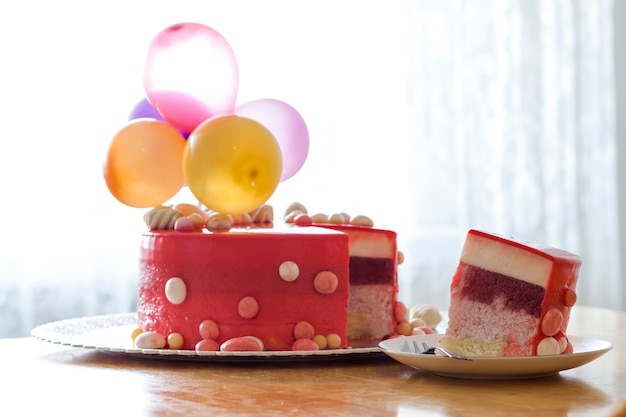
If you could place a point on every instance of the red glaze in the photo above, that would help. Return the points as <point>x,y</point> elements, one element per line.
<point>221,269</point>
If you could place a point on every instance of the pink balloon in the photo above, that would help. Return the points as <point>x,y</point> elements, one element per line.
<point>287,126</point>
<point>190,75</point>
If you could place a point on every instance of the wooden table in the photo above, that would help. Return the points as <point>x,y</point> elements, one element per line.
<point>38,377</point>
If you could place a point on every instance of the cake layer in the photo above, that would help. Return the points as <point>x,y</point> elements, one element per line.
<point>515,261</point>
<point>252,282</point>
<point>368,242</point>
<point>485,286</point>
<point>371,315</point>
<point>496,330</point>
<point>527,261</point>
<point>364,271</point>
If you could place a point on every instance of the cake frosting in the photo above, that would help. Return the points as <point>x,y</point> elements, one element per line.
<point>511,298</point>
<point>262,283</point>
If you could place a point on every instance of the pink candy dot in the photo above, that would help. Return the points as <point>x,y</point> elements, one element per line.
<point>305,344</point>
<point>552,322</point>
<point>400,312</point>
<point>303,220</point>
<point>426,329</point>
<point>207,345</point>
<point>209,330</point>
<point>303,330</point>
<point>241,344</point>
<point>248,307</point>
<point>325,282</point>
<point>184,224</point>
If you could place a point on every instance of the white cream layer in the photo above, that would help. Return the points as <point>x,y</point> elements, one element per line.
<point>506,259</point>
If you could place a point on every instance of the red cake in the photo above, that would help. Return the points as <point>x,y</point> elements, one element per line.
<point>324,286</point>
<point>511,298</point>
<point>245,282</point>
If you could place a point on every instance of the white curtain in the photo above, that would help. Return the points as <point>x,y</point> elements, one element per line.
<point>512,104</point>
<point>431,117</point>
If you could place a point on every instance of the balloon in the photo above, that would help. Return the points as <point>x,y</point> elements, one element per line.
<point>144,110</point>
<point>190,75</point>
<point>232,164</point>
<point>287,126</point>
<point>143,166</point>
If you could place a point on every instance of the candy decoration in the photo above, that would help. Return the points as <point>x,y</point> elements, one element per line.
<point>325,282</point>
<point>209,329</point>
<point>304,344</point>
<point>175,290</point>
<point>232,164</point>
<point>248,307</point>
<point>287,126</point>
<point>207,345</point>
<point>321,341</point>
<point>333,341</point>
<point>150,340</point>
<point>190,75</point>
<point>303,330</point>
<point>175,341</point>
<point>241,344</point>
<point>548,346</point>
<point>161,218</point>
<point>288,271</point>
<point>143,166</point>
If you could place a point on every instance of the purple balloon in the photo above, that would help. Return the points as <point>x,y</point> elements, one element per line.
<point>144,110</point>
<point>287,126</point>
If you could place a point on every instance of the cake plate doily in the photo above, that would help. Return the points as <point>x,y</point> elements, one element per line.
<point>518,367</point>
<point>112,334</point>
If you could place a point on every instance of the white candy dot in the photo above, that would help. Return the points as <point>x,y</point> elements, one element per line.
<point>548,346</point>
<point>150,340</point>
<point>562,344</point>
<point>289,271</point>
<point>175,290</point>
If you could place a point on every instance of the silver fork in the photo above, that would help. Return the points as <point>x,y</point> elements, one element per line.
<point>433,351</point>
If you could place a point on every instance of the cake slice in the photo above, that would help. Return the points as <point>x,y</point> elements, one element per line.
<point>510,298</point>
<point>373,284</point>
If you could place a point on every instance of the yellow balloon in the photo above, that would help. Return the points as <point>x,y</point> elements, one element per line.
<point>232,164</point>
<point>144,164</point>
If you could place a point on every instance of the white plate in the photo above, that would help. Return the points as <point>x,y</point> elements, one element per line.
<point>585,351</point>
<point>112,333</point>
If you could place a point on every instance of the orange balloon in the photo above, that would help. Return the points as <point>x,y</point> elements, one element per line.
<point>232,164</point>
<point>144,164</point>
